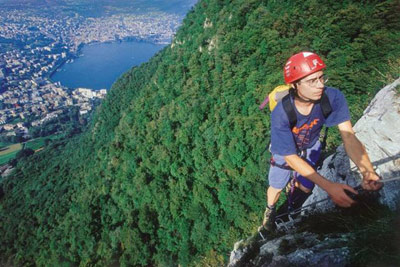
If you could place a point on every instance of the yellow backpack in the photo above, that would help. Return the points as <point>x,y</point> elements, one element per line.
<point>275,96</point>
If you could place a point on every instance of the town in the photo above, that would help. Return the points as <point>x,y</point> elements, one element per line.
<point>33,46</point>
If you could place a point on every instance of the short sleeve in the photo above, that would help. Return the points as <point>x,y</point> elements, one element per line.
<point>282,141</point>
<point>340,110</point>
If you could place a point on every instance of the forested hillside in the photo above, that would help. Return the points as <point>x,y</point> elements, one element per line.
<point>172,168</point>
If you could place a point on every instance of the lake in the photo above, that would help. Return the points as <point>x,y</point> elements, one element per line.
<point>100,64</point>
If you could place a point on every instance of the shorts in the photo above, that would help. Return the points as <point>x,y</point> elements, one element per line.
<point>278,177</point>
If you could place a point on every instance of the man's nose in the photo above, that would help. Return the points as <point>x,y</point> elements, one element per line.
<point>320,83</point>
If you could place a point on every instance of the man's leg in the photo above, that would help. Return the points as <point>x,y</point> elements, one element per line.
<point>277,179</point>
<point>273,195</point>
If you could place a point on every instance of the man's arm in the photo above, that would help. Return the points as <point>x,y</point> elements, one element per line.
<point>334,190</point>
<point>357,153</point>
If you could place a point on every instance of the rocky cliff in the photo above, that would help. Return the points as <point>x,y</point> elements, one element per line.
<point>378,132</point>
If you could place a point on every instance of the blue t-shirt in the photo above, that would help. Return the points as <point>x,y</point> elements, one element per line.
<point>285,141</point>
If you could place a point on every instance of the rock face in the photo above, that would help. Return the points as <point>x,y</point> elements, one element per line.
<point>377,130</point>
<point>312,250</point>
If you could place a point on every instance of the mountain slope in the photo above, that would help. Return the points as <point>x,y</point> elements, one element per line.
<point>172,168</point>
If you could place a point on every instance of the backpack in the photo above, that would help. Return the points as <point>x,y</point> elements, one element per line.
<point>275,96</point>
<point>283,93</point>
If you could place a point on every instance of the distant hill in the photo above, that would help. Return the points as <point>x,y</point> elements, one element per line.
<point>172,169</point>
<point>90,8</point>
<point>172,6</point>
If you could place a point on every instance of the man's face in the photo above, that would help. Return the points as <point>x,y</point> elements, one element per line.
<point>311,87</point>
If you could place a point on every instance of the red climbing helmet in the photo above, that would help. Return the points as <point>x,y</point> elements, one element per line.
<point>301,65</point>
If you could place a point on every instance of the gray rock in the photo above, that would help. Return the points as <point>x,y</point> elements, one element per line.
<point>237,253</point>
<point>278,261</point>
<point>379,131</point>
<point>328,257</point>
<point>274,246</point>
<point>303,249</point>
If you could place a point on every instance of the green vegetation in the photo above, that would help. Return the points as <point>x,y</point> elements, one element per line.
<point>35,144</point>
<point>4,144</point>
<point>9,153</point>
<point>9,149</point>
<point>43,141</point>
<point>172,169</point>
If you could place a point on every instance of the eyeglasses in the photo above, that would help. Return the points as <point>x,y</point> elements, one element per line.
<point>314,82</point>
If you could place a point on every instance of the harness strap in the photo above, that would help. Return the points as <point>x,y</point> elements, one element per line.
<point>282,166</point>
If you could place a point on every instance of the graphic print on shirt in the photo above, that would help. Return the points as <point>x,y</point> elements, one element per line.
<point>302,134</point>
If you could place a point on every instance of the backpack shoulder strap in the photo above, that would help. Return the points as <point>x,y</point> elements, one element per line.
<point>291,113</point>
<point>289,109</point>
<point>326,111</point>
<point>325,105</point>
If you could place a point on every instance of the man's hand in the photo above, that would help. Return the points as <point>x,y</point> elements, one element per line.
<point>338,195</point>
<point>369,181</point>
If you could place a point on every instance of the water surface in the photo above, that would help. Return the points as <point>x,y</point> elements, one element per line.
<point>100,64</point>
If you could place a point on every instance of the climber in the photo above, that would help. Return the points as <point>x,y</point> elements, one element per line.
<point>295,144</point>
